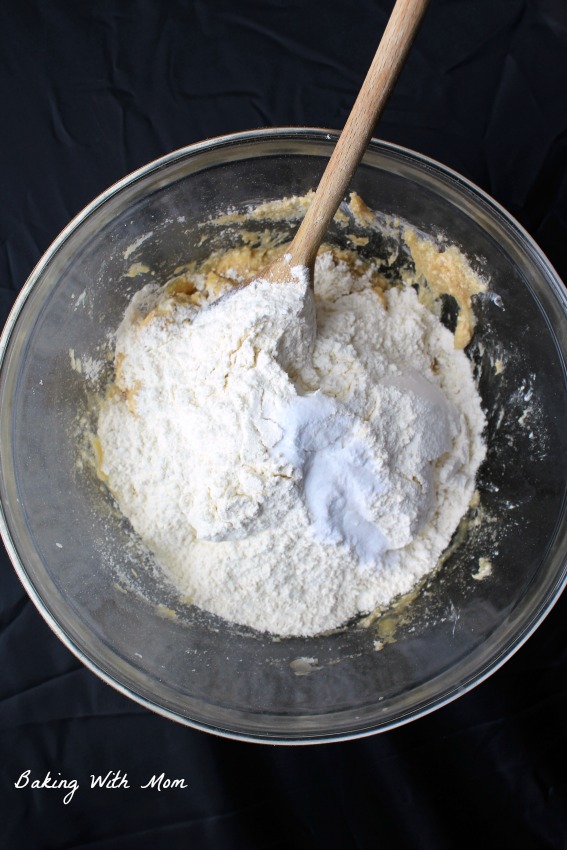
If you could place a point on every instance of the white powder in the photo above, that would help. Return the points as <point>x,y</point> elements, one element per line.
<point>288,477</point>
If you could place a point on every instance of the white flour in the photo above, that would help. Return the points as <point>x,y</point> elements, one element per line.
<point>286,479</point>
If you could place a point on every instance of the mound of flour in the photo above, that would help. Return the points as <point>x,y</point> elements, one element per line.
<point>292,461</point>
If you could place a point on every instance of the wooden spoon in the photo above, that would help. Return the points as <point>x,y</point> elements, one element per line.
<point>353,141</point>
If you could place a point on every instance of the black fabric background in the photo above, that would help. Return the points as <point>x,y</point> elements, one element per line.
<point>91,91</point>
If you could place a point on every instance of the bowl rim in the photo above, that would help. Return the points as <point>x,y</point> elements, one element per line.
<point>275,134</point>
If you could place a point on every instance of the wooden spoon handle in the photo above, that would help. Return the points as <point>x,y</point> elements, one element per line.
<point>382,74</point>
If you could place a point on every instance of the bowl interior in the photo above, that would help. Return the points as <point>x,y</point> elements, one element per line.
<point>98,588</point>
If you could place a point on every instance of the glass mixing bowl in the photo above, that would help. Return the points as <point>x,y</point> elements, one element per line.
<point>96,587</point>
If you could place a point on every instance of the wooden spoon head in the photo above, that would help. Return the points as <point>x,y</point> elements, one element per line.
<point>286,270</point>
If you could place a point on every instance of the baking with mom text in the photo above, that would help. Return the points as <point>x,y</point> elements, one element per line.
<point>111,781</point>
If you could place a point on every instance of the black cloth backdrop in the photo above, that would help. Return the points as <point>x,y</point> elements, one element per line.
<point>91,91</point>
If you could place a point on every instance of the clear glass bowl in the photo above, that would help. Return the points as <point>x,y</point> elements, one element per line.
<point>75,556</point>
